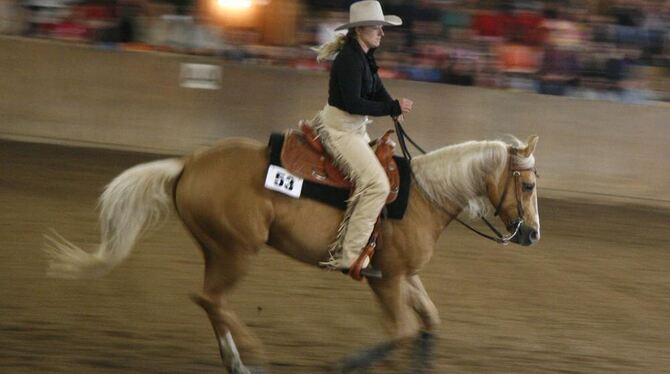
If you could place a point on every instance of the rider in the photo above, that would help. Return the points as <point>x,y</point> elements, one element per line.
<point>355,92</point>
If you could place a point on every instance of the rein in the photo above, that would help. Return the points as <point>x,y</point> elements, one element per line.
<point>514,173</point>
<point>401,139</point>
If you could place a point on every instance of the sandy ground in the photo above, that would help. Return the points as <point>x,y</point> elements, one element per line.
<point>593,296</point>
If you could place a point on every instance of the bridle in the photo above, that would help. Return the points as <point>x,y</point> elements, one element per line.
<point>513,173</point>
<point>513,228</point>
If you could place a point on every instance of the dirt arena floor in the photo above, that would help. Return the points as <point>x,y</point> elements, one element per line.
<point>593,296</point>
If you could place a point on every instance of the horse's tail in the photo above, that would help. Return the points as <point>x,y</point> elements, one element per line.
<point>134,202</point>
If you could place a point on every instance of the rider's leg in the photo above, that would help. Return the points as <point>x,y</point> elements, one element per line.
<point>353,155</point>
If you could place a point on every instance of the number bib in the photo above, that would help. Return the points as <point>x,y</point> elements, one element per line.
<point>280,180</point>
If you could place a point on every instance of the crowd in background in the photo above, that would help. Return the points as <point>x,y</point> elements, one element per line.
<point>608,50</point>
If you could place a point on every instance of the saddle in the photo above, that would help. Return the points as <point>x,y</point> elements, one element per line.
<point>304,156</point>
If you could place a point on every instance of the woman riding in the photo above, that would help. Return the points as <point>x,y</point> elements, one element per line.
<point>355,92</point>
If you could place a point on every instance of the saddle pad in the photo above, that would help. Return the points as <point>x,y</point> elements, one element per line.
<point>337,197</point>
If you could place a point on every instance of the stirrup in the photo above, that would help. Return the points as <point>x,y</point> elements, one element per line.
<point>357,271</point>
<point>368,272</point>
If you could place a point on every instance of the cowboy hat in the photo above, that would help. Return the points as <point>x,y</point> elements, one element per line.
<point>368,13</point>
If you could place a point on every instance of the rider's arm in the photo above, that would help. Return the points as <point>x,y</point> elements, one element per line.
<point>380,92</point>
<point>348,71</point>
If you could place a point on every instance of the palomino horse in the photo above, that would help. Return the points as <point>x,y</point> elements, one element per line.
<point>219,195</point>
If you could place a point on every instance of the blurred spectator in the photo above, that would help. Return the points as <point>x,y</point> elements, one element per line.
<point>551,47</point>
<point>604,71</point>
<point>462,65</point>
<point>12,17</point>
<point>127,27</point>
<point>43,15</point>
<point>559,71</point>
<point>455,17</point>
<point>70,27</point>
<point>489,74</point>
<point>628,17</point>
<point>492,23</point>
<point>518,64</point>
<point>655,29</point>
<point>560,67</point>
<point>527,24</point>
<point>98,19</point>
<point>423,66</point>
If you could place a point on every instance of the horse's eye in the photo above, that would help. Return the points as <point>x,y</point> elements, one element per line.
<point>528,187</point>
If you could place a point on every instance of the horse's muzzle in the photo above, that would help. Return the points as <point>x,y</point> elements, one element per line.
<point>526,235</point>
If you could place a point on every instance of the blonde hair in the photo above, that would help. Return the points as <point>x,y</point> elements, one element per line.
<point>328,51</point>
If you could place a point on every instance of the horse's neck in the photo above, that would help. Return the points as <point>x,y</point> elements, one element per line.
<point>454,178</point>
<point>429,217</point>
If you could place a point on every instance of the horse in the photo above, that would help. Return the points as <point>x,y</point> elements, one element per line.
<point>219,195</point>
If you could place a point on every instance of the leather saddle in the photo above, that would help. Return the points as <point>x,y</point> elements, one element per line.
<point>304,156</point>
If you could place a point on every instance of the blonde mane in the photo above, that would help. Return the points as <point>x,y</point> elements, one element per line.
<point>456,174</point>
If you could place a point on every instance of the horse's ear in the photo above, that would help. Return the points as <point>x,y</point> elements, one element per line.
<point>530,148</point>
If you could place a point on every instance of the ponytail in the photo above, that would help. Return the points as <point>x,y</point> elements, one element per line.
<point>328,51</point>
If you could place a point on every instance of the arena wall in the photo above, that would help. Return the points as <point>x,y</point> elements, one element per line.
<point>82,95</point>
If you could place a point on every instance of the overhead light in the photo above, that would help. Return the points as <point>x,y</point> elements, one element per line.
<point>235,4</point>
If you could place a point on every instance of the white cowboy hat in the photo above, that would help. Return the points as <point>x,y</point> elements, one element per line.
<point>369,13</point>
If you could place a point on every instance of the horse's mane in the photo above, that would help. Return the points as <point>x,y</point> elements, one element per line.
<point>456,173</point>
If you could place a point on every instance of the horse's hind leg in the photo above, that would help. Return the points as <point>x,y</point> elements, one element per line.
<point>223,269</point>
<point>227,348</point>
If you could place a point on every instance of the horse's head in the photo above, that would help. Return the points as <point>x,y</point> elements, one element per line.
<point>514,194</point>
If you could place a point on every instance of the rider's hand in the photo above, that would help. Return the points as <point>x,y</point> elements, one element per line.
<point>405,105</point>
<point>400,119</point>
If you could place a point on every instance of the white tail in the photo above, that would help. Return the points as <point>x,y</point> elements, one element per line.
<point>134,202</point>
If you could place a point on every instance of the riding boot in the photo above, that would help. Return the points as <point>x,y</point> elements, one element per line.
<point>358,268</point>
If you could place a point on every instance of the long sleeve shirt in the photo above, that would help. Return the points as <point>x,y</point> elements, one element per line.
<point>355,86</point>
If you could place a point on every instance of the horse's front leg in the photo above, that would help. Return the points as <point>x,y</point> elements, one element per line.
<point>422,304</point>
<point>402,298</point>
<point>418,299</point>
<point>392,294</point>
<point>396,296</point>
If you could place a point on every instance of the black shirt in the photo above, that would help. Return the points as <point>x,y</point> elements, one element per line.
<point>355,86</point>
